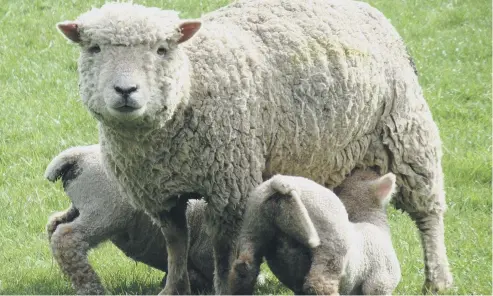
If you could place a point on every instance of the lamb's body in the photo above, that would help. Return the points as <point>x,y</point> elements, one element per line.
<point>337,256</point>
<point>98,213</point>
<point>312,89</point>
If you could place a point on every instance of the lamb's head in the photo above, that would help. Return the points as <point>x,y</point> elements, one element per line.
<point>132,69</point>
<point>365,191</point>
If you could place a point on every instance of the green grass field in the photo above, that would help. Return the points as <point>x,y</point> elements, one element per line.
<point>42,115</point>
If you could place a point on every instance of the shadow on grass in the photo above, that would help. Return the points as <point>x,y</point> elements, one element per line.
<point>135,288</point>
<point>50,286</point>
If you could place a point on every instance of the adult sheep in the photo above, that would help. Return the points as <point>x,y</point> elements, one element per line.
<point>307,88</point>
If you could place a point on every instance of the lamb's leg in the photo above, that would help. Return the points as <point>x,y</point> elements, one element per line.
<point>245,270</point>
<point>59,218</point>
<point>70,243</point>
<point>415,157</point>
<point>325,272</point>
<point>376,286</point>
<point>174,227</point>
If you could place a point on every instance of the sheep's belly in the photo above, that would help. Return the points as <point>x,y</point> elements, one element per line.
<point>324,166</point>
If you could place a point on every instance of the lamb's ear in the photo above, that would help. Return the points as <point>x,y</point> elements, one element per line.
<point>70,30</point>
<point>384,188</point>
<point>188,29</point>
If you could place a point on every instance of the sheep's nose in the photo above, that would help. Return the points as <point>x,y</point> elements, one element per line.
<point>125,91</point>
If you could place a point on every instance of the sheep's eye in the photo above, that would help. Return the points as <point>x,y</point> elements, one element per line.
<point>94,49</point>
<point>161,51</point>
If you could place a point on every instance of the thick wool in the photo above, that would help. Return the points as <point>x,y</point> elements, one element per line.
<point>349,258</point>
<point>307,88</point>
<point>98,213</point>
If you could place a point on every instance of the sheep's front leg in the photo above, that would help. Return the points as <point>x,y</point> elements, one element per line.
<point>174,227</point>
<point>223,231</point>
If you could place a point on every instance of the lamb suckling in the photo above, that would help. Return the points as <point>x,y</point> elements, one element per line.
<point>212,107</point>
<point>98,213</point>
<point>310,242</point>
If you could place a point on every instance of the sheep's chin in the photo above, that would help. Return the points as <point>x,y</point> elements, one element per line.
<point>127,115</point>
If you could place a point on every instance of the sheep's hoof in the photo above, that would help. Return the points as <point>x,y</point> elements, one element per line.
<point>180,289</point>
<point>439,285</point>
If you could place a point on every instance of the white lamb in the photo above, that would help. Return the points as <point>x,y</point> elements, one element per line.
<point>211,107</point>
<point>316,244</point>
<point>98,213</point>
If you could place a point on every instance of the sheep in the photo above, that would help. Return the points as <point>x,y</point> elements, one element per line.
<point>213,106</point>
<point>98,213</point>
<point>307,237</point>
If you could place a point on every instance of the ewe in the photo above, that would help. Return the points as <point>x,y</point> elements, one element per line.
<point>98,213</point>
<point>310,241</point>
<point>306,88</point>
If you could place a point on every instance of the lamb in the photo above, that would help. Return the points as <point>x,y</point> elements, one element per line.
<point>98,213</point>
<point>307,237</point>
<point>214,106</point>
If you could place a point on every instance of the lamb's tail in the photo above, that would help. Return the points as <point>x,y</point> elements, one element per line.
<point>294,219</point>
<point>64,165</point>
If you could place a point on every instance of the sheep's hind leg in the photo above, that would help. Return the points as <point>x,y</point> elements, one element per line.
<point>431,227</point>
<point>413,144</point>
<point>70,244</point>
<point>174,227</point>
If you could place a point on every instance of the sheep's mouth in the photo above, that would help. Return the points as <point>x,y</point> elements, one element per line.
<point>126,109</point>
<point>126,112</point>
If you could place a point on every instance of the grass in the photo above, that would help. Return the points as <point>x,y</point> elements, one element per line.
<point>42,115</point>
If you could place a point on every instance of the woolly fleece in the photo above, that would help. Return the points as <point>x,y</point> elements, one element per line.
<point>307,88</point>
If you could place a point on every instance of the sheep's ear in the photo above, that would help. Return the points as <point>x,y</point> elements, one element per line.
<point>188,29</point>
<point>384,188</point>
<point>70,30</point>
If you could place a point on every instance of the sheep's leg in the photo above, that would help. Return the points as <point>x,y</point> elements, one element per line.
<point>414,154</point>
<point>222,248</point>
<point>325,272</point>
<point>431,227</point>
<point>223,229</point>
<point>59,218</point>
<point>376,286</point>
<point>70,243</point>
<point>174,227</point>
<point>245,269</point>
<point>199,284</point>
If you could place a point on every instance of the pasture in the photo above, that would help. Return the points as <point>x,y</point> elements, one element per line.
<point>41,115</point>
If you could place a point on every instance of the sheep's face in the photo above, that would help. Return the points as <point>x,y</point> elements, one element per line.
<point>132,70</point>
